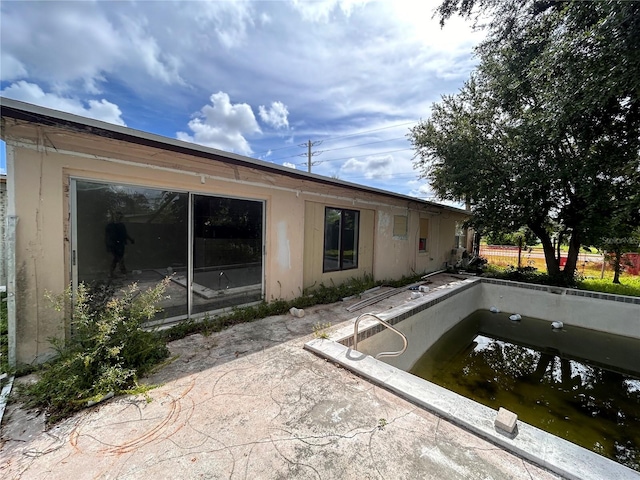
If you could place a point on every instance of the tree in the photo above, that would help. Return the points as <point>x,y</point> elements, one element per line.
<point>546,133</point>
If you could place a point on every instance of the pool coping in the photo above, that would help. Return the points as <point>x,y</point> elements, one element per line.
<point>554,453</point>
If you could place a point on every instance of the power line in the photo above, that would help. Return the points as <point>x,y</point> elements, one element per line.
<point>369,131</point>
<point>337,138</point>
<point>365,155</point>
<point>363,144</point>
<point>310,154</point>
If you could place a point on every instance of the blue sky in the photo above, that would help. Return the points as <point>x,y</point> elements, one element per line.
<point>258,78</point>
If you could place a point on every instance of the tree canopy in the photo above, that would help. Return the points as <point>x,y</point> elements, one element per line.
<point>546,132</point>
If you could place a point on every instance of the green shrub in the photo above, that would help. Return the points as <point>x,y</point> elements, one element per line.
<point>530,275</point>
<point>107,351</point>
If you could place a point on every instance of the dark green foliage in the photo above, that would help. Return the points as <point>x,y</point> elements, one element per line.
<point>546,133</point>
<point>532,275</point>
<point>523,237</point>
<point>107,352</point>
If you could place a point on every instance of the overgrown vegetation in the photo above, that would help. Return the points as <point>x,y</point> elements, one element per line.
<point>320,329</point>
<point>4,335</point>
<point>530,275</point>
<point>545,134</point>
<point>107,352</point>
<point>320,295</point>
<point>630,287</point>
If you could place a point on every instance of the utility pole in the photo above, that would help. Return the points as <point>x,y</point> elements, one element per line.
<point>310,154</point>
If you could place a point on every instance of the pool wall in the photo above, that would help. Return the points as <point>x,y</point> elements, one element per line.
<point>440,309</point>
<point>425,320</point>
<point>617,314</point>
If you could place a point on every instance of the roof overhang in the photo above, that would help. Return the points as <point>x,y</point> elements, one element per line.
<point>38,115</point>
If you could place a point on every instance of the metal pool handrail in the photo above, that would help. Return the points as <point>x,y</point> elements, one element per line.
<point>386,324</point>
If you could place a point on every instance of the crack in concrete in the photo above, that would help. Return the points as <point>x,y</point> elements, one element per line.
<point>271,412</point>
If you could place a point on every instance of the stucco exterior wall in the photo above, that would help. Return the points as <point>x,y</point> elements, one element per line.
<point>3,217</point>
<point>396,256</point>
<point>314,245</point>
<point>294,211</point>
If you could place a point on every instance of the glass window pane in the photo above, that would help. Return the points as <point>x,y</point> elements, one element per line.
<point>129,234</point>
<point>350,239</point>
<point>227,252</point>
<point>332,227</point>
<point>423,244</point>
<point>340,239</point>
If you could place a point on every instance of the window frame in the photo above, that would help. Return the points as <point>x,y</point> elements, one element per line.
<point>400,227</point>
<point>341,236</point>
<point>426,237</point>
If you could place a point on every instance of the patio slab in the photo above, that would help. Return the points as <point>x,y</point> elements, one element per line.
<point>250,403</point>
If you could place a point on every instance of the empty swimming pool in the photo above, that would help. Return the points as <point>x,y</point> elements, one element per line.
<point>426,319</point>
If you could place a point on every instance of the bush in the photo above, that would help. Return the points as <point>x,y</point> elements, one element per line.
<point>107,352</point>
<point>530,275</point>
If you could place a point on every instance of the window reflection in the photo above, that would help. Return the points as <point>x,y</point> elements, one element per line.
<point>227,252</point>
<point>340,239</point>
<point>127,234</point>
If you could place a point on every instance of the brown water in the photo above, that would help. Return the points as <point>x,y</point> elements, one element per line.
<point>575,383</point>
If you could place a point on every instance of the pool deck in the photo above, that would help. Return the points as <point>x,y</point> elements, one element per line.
<point>251,403</point>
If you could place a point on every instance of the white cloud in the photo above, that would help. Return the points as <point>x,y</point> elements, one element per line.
<point>223,125</point>
<point>321,10</point>
<point>159,65</point>
<point>66,42</point>
<point>373,166</point>
<point>96,109</point>
<point>265,18</point>
<point>424,191</point>
<point>275,116</point>
<point>290,165</point>
<point>335,67</point>
<point>12,68</point>
<point>228,21</point>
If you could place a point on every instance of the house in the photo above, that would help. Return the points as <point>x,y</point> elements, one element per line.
<point>106,205</point>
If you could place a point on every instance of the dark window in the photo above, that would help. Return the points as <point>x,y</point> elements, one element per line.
<point>423,239</point>
<point>340,239</point>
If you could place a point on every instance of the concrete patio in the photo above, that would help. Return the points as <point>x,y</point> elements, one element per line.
<point>250,403</point>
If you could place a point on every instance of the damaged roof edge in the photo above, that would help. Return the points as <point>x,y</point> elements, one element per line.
<point>45,116</point>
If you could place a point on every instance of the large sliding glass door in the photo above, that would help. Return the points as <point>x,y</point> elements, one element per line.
<point>227,252</point>
<point>210,247</point>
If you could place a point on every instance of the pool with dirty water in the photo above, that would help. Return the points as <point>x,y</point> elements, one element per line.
<point>579,384</point>
<point>425,320</point>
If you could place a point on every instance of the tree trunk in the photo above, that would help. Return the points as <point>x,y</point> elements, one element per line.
<point>572,257</point>
<point>616,266</point>
<point>553,266</point>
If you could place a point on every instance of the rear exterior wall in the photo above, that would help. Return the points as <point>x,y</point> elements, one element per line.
<point>39,177</point>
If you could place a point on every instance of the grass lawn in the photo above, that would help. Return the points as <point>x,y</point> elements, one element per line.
<point>589,278</point>
<point>630,285</point>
